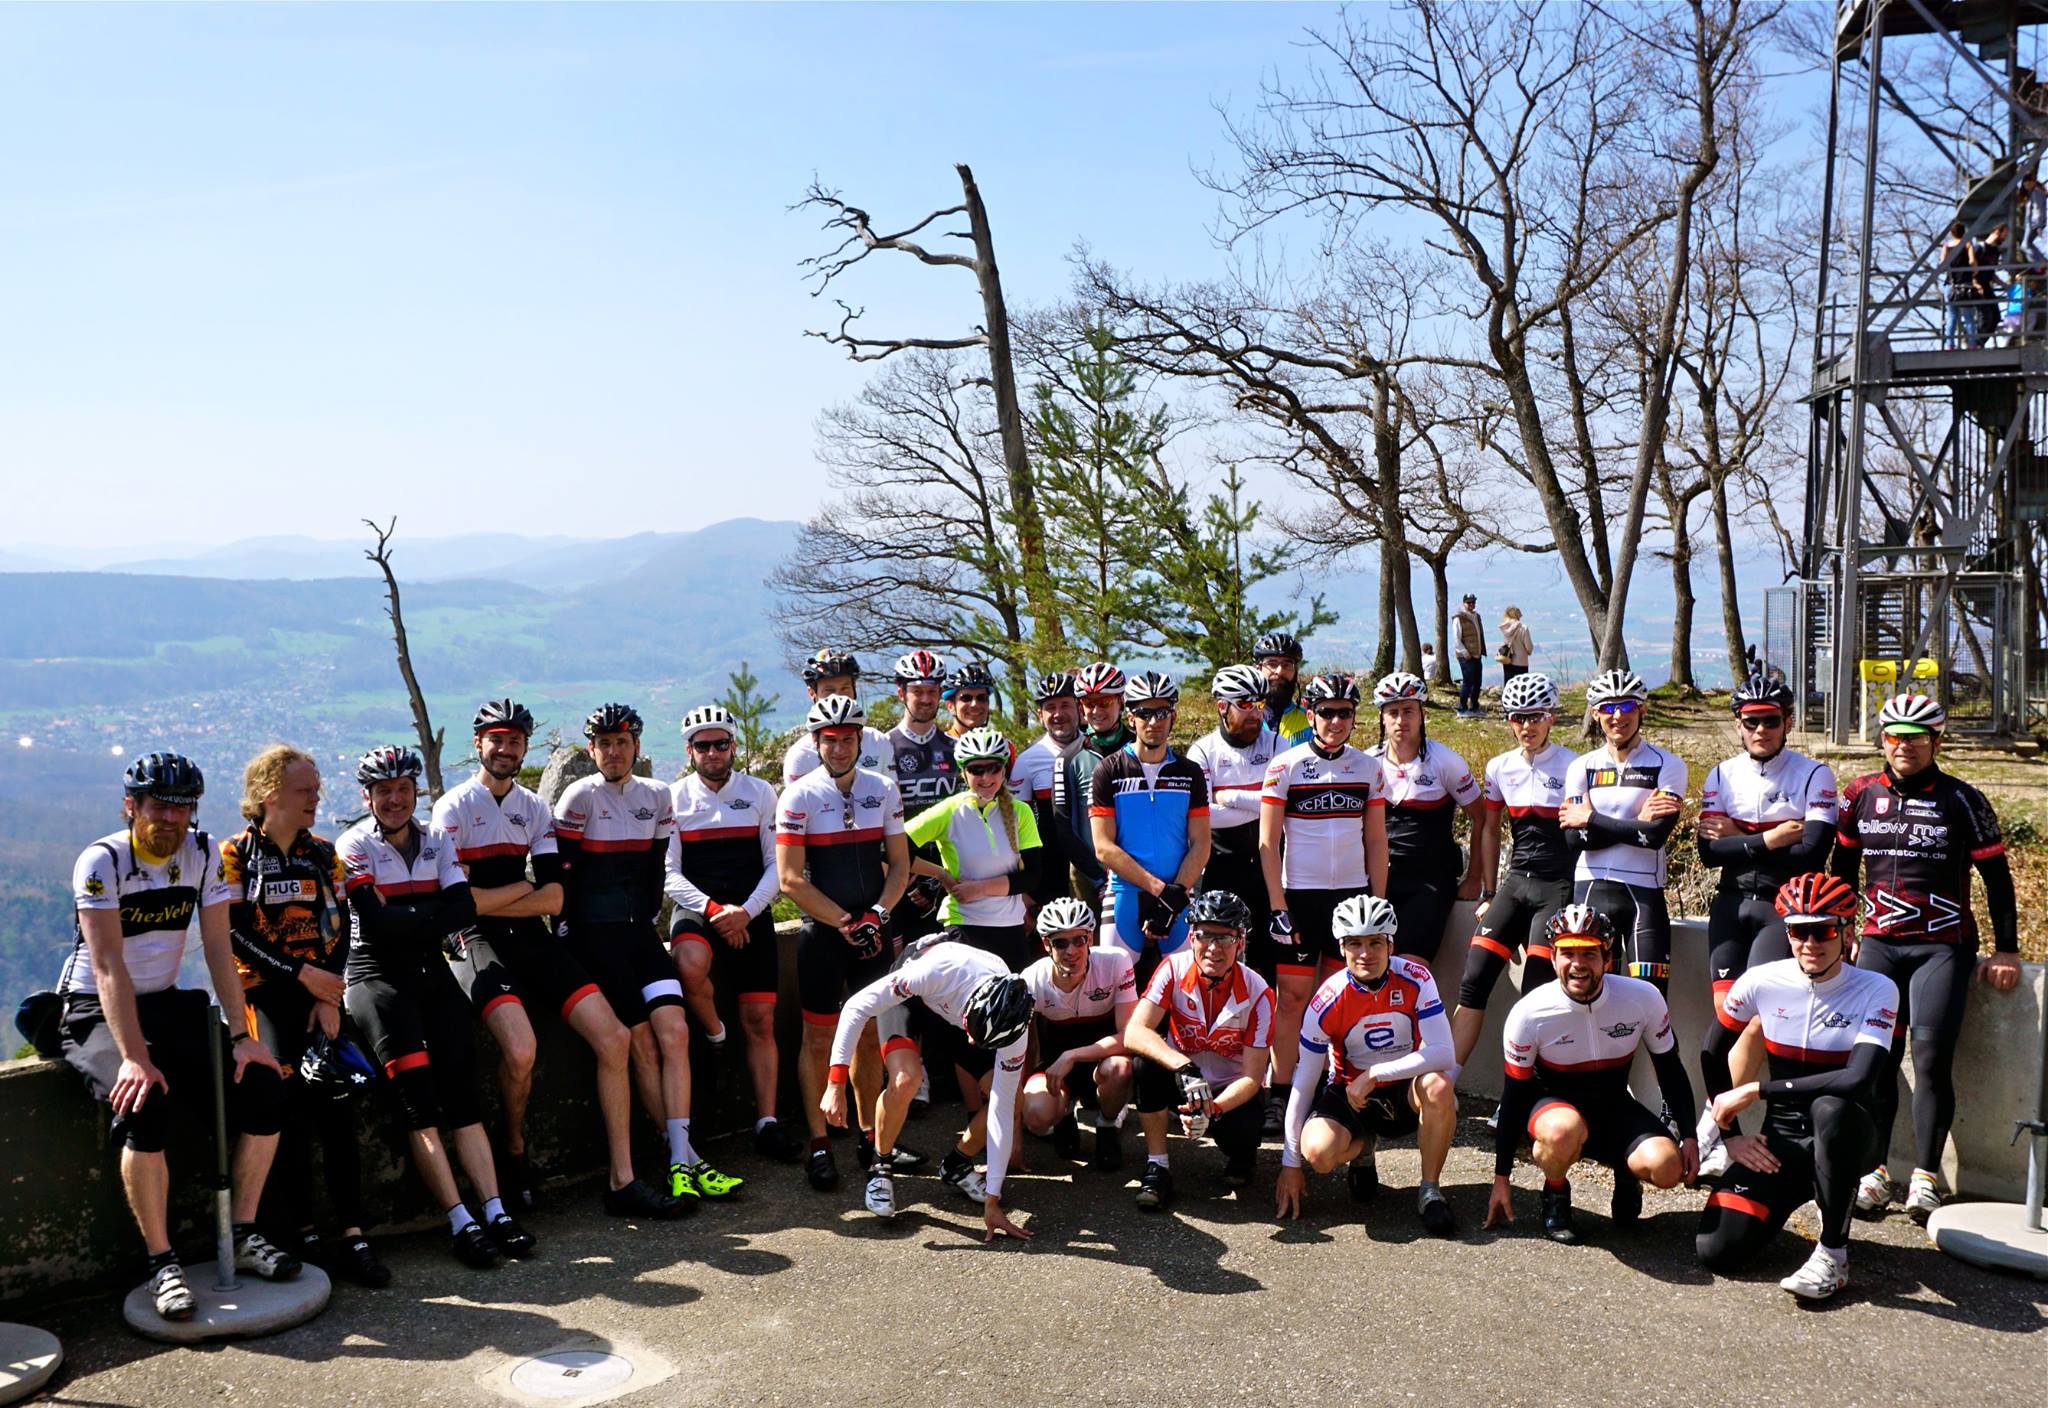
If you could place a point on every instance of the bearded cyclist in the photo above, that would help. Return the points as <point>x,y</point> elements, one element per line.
<point>1568,1047</point>
<point>927,773</point>
<point>1378,1030</point>
<point>827,674</point>
<point>1828,1027</point>
<point>1427,784</point>
<point>720,875</point>
<point>1149,808</point>
<point>1278,656</point>
<point>1031,776</point>
<point>614,830</point>
<point>1322,839</point>
<point>1909,835</point>
<point>1622,802</point>
<point>1099,691</point>
<point>1526,783</point>
<point>1084,996</point>
<point>1234,757</point>
<point>842,859</point>
<point>1766,814</point>
<point>406,897</point>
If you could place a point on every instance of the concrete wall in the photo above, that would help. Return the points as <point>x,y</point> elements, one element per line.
<point>66,1229</point>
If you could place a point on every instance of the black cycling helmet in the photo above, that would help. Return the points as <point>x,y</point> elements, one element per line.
<point>336,1068</point>
<point>502,713</point>
<point>1057,685</point>
<point>168,777</point>
<point>1761,692</point>
<point>1329,689</point>
<point>1276,643</point>
<point>830,664</point>
<point>387,764</point>
<point>612,718</point>
<point>998,1011</point>
<point>1219,907</point>
<point>974,675</point>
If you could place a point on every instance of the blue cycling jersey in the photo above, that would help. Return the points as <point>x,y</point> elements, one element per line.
<point>1151,805</point>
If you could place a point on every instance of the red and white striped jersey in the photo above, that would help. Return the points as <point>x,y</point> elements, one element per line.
<point>1215,1023</point>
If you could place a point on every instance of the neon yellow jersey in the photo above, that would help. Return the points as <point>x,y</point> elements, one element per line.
<point>974,845</point>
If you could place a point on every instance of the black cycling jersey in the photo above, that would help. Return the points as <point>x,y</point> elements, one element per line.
<point>1916,839</point>
<point>924,767</point>
<point>286,911</point>
<point>1072,838</point>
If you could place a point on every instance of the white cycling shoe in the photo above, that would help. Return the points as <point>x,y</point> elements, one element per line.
<point>881,1194</point>
<point>1820,1278</point>
<point>1923,1199</point>
<point>969,1181</point>
<point>1874,1193</point>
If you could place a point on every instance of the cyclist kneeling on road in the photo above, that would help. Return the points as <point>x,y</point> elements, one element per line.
<point>1379,1032</point>
<point>1828,1028</point>
<point>971,990</point>
<point>1210,1062</point>
<point>1569,1046</point>
<point>1084,998</point>
<point>140,1041</point>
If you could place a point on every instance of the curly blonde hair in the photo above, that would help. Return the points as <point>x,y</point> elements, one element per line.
<point>265,775</point>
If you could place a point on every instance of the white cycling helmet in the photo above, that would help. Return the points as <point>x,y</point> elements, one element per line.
<point>1151,686</point>
<point>1610,685</point>
<point>708,718</point>
<point>982,745</point>
<point>1099,678</point>
<point>835,710</point>
<point>1364,914</point>
<point>1912,713</point>
<point>1529,694</point>
<point>1398,686</point>
<point>1064,914</point>
<point>1239,684</point>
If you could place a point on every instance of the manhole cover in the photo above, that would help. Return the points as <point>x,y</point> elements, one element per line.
<point>572,1373</point>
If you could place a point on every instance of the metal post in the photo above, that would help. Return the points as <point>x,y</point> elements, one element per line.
<point>2037,1146</point>
<point>223,1185</point>
<point>1848,624</point>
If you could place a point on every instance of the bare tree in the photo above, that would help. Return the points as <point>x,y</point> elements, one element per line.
<point>858,242</point>
<point>429,736</point>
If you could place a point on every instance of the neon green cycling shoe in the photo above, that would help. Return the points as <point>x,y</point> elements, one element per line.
<point>702,1180</point>
<point>681,1184</point>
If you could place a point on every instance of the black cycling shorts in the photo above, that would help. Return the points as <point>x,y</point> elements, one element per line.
<point>1742,931</point>
<point>1241,876</point>
<point>175,1028</point>
<point>1518,916</point>
<point>1056,1039</point>
<point>1615,1127</point>
<point>1424,910</point>
<point>420,1030</point>
<point>526,965</point>
<point>752,970</point>
<point>1312,912</point>
<point>630,967</point>
<point>1387,1110</point>
<point>1641,918</point>
<point>828,971</point>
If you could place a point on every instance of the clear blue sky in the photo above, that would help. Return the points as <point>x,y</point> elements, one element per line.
<point>275,268</point>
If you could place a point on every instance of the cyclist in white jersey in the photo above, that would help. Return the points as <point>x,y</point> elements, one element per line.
<point>1622,802</point>
<point>1234,757</point>
<point>1084,997</point>
<point>1828,1027</point>
<point>826,674</point>
<point>1427,784</point>
<point>1037,766</point>
<point>1322,839</point>
<point>965,988</point>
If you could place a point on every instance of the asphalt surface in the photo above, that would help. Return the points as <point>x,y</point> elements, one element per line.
<point>790,1296</point>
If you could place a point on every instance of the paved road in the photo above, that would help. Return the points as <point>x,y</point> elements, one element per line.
<point>793,1297</point>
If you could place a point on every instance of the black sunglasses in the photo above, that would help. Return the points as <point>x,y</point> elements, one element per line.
<point>715,745</point>
<point>1152,714</point>
<point>1753,722</point>
<point>983,769</point>
<point>1062,945</point>
<point>1335,714</point>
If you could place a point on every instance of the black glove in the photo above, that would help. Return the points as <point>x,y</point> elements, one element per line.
<point>1280,926</point>
<point>925,893</point>
<point>1154,917</point>
<point>1194,1089</point>
<point>1175,898</point>
<point>865,934</point>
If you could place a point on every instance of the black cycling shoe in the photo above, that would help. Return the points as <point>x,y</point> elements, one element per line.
<point>516,1182</point>
<point>902,1159</point>
<point>473,1248</point>
<point>511,1238</point>
<point>772,1142</point>
<point>1437,1218</point>
<point>1155,1187</point>
<point>1275,1125</point>
<point>822,1171</point>
<point>1239,1167</point>
<point>1109,1149</point>
<point>1628,1198</point>
<point>637,1199</point>
<point>1362,1177</point>
<point>1066,1137</point>
<point>1557,1215</point>
<point>356,1259</point>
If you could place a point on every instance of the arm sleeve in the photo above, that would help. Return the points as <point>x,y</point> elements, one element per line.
<point>1610,831</point>
<point>1858,1078</point>
<point>1002,1104</point>
<point>1675,1086</point>
<point>890,990</point>
<point>1433,1046</point>
<point>416,922</point>
<point>549,869</point>
<point>1308,1069</point>
<point>2001,900</point>
<point>1518,1092</point>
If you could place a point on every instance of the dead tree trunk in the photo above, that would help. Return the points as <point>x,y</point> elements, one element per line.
<point>429,736</point>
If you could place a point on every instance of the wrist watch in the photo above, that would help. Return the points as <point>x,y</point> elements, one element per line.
<point>882,913</point>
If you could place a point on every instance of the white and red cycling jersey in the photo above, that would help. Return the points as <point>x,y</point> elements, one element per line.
<point>877,754</point>
<point>1530,791</point>
<point>1574,1047</point>
<point>368,859</point>
<point>1394,1028</point>
<point>1324,799</point>
<point>1108,982</point>
<point>493,838</point>
<point>1215,1023</point>
<point>614,836</point>
<point>1032,772</point>
<point>1756,796</point>
<point>1237,776</point>
<point>723,849</point>
<point>843,834</point>
<point>1811,1026</point>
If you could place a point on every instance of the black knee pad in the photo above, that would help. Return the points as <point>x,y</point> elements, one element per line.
<point>256,1101</point>
<point>414,1091</point>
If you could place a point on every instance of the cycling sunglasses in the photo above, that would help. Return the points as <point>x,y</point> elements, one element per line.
<point>1615,708</point>
<point>1335,714</point>
<point>983,769</point>
<point>1061,945</point>
<point>711,745</point>
<point>1752,722</point>
<point>1152,714</point>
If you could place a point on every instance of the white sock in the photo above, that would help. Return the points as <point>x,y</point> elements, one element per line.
<point>494,1208</point>
<point>716,1038</point>
<point>459,1218</point>
<point>679,1150</point>
<point>763,1122</point>
<point>1840,1254</point>
<point>1159,1159</point>
<point>1921,1175</point>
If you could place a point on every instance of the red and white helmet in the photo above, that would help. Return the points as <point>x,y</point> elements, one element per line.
<point>1099,678</point>
<point>1399,686</point>
<point>920,667</point>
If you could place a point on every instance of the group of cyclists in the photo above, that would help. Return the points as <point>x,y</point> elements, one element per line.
<point>1236,938</point>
